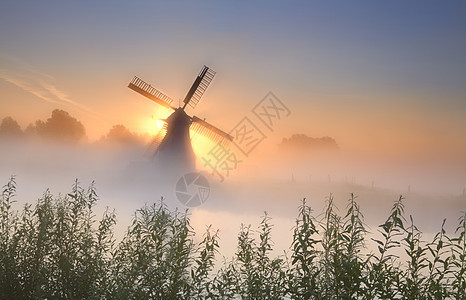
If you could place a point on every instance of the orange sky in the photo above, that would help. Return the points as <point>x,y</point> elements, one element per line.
<point>358,122</point>
<point>381,86</point>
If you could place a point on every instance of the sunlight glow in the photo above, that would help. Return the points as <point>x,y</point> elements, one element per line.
<point>201,146</point>
<point>149,126</point>
<point>158,125</point>
<point>154,124</point>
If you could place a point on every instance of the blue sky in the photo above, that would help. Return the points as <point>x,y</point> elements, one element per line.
<point>351,70</point>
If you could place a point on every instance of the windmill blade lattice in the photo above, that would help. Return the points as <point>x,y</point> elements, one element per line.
<point>156,141</point>
<point>210,131</point>
<point>199,86</point>
<point>145,89</point>
<point>178,138</point>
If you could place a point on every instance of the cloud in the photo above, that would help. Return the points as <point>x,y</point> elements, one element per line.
<point>39,84</point>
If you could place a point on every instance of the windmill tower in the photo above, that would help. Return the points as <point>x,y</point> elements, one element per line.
<point>171,148</point>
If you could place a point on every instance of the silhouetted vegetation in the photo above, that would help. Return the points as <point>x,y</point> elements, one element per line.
<point>9,127</point>
<point>304,143</point>
<point>56,248</point>
<point>121,135</point>
<point>60,126</point>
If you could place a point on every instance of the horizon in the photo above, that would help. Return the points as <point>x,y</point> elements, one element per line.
<point>386,81</point>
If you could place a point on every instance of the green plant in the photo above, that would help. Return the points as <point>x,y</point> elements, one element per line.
<point>458,261</point>
<point>57,249</point>
<point>204,264</point>
<point>303,276</point>
<point>53,250</point>
<point>412,285</point>
<point>8,241</point>
<point>383,274</point>
<point>258,276</point>
<point>438,266</point>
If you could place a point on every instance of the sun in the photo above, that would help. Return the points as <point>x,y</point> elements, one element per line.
<point>154,124</point>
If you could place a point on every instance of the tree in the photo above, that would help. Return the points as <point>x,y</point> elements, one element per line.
<point>9,127</point>
<point>60,126</point>
<point>119,134</point>
<point>302,142</point>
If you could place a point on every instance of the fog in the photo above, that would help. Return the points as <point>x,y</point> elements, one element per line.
<point>271,180</point>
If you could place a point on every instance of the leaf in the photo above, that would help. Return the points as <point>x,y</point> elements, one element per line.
<point>380,250</point>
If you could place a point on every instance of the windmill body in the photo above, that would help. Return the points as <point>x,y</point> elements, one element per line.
<point>171,148</point>
<point>175,152</point>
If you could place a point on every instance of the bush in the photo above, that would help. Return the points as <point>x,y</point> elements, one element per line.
<point>58,249</point>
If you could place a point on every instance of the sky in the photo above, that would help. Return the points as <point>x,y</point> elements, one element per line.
<point>385,79</point>
<point>398,66</point>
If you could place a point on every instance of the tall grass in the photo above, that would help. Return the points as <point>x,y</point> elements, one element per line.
<point>57,248</point>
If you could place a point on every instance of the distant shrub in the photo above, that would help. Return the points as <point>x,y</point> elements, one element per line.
<point>58,249</point>
<point>61,126</point>
<point>9,127</point>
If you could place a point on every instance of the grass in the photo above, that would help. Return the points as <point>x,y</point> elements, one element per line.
<point>58,249</point>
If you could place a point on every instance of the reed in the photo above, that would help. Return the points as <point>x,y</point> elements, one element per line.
<point>57,248</point>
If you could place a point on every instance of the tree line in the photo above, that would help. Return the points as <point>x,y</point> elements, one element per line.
<point>62,127</point>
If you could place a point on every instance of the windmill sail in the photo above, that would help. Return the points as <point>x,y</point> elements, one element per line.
<point>150,92</point>
<point>156,141</point>
<point>171,148</point>
<point>199,86</point>
<point>210,131</point>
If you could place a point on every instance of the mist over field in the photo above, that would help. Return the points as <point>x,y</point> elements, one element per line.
<point>337,131</point>
<point>273,179</point>
<point>249,218</point>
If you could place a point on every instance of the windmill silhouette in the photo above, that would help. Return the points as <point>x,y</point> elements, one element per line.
<point>171,148</point>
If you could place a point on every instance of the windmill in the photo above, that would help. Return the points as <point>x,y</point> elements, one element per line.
<point>171,147</point>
